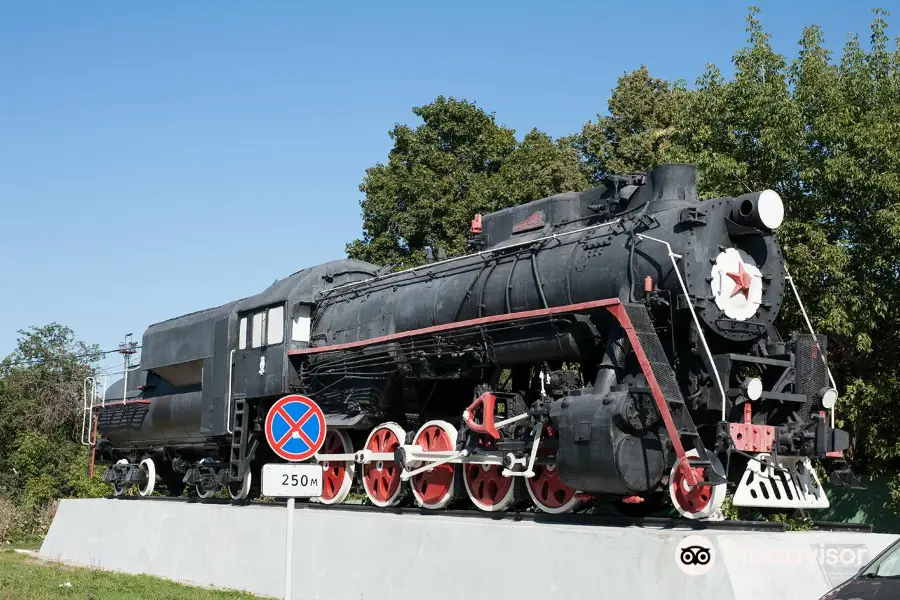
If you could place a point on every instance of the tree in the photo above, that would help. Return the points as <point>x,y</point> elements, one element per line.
<point>41,381</point>
<point>636,134</point>
<point>420,198</point>
<point>40,416</point>
<point>851,226</point>
<point>457,163</point>
<point>538,167</point>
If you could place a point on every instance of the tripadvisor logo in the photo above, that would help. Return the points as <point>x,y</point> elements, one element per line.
<point>695,555</point>
<point>836,561</point>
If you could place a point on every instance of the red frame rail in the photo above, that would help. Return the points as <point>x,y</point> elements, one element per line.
<point>613,305</point>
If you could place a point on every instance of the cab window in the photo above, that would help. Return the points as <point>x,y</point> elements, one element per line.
<point>275,330</point>
<point>261,328</point>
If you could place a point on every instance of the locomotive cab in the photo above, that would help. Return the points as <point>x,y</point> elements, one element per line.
<point>259,362</point>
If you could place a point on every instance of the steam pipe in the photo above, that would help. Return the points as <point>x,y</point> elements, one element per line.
<point>613,360</point>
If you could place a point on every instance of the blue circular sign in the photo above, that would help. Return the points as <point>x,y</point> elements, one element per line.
<point>295,428</point>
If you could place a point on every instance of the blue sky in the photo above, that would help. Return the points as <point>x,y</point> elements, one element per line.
<point>158,158</point>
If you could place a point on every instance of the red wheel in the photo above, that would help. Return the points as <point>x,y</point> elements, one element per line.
<point>488,489</point>
<point>434,488</point>
<point>337,477</point>
<point>381,478</point>
<point>692,500</point>
<point>547,490</point>
<point>549,493</point>
<point>699,502</point>
<point>486,486</point>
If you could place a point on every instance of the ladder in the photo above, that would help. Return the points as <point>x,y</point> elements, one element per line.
<point>243,441</point>
<point>89,420</point>
<point>672,408</point>
<point>90,402</point>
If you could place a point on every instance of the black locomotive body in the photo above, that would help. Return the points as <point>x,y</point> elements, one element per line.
<point>618,343</point>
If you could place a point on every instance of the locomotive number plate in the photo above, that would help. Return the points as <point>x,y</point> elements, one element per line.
<point>291,480</point>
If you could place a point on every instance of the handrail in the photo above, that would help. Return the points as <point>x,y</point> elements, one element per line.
<point>489,252</point>
<point>228,396</point>
<point>712,363</point>
<point>88,407</point>
<point>787,275</point>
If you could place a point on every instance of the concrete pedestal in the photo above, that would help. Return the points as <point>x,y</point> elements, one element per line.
<point>342,555</point>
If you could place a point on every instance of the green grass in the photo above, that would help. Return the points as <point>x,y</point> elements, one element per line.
<point>26,578</point>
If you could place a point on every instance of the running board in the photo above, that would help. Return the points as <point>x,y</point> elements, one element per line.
<point>762,486</point>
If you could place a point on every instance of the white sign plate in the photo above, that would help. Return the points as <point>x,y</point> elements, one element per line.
<point>291,480</point>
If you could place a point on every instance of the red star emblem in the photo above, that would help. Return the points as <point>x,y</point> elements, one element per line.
<point>742,281</point>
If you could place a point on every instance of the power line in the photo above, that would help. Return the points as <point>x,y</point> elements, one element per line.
<point>37,361</point>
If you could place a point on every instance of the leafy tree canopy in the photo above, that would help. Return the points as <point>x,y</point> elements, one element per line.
<point>457,163</point>
<point>41,386</point>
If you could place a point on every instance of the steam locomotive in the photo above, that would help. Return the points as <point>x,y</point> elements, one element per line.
<point>613,345</point>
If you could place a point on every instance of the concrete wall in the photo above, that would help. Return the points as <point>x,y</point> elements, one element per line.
<point>342,554</point>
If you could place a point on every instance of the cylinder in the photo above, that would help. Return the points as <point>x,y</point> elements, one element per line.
<point>167,419</point>
<point>608,445</point>
<point>763,210</point>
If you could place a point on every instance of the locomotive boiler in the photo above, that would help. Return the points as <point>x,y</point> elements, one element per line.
<point>618,344</point>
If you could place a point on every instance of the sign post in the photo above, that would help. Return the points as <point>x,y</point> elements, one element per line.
<point>295,430</point>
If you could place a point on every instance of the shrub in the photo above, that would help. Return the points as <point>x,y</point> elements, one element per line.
<point>9,519</point>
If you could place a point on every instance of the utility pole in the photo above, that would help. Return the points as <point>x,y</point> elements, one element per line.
<point>126,349</point>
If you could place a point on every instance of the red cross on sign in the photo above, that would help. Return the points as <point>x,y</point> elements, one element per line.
<point>295,428</point>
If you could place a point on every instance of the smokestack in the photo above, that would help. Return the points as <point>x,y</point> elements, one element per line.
<point>674,182</point>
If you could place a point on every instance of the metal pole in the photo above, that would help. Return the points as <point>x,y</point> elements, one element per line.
<point>228,395</point>
<point>289,550</point>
